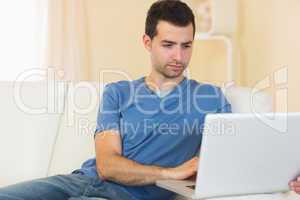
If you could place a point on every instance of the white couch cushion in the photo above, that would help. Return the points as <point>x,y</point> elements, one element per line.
<point>75,141</point>
<point>247,100</point>
<point>28,129</point>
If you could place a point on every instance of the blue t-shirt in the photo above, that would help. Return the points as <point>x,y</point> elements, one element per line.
<point>156,131</point>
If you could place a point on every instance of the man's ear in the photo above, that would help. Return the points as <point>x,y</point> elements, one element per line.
<point>147,42</point>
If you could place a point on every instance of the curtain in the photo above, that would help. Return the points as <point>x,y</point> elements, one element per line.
<point>67,51</point>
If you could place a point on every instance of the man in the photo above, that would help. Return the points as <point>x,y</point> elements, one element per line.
<point>147,129</point>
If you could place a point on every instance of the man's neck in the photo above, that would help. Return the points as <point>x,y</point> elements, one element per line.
<point>158,82</point>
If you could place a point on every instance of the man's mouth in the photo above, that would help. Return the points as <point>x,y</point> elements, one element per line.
<point>176,66</point>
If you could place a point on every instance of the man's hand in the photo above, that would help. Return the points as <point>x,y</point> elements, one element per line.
<point>184,171</point>
<point>295,185</point>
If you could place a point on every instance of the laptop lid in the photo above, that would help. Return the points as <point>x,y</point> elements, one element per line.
<point>244,154</point>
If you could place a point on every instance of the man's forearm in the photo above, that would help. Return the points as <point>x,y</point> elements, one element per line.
<point>128,172</point>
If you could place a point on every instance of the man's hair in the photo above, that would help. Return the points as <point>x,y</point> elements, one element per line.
<point>173,11</point>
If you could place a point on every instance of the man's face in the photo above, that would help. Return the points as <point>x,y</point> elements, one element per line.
<point>170,49</point>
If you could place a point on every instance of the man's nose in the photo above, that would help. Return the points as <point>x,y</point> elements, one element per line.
<point>178,54</point>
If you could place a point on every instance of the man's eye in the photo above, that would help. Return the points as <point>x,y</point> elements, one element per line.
<point>186,46</point>
<point>167,45</point>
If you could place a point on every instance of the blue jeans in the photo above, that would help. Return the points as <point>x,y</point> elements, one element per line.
<point>64,187</point>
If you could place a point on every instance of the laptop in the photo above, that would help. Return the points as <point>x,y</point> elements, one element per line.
<point>244,154</point>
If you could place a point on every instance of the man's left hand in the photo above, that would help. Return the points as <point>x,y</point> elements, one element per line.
<point>295,185</point>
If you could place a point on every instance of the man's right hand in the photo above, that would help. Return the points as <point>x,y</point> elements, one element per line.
<point>183,171</point>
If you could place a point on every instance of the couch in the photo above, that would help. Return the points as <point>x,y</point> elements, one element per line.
<point>47,127</point>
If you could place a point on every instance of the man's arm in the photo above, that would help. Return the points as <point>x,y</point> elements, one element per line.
<point>111,165</point>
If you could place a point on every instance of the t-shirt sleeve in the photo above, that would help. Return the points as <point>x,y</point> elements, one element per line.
<point>108,117</point>
<point>224,106</point>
